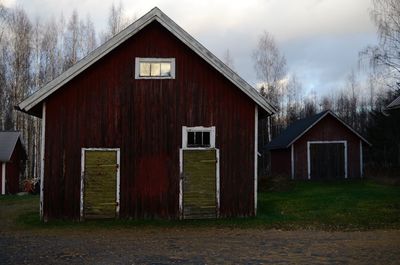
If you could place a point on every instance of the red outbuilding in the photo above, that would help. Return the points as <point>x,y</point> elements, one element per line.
<point>12,161</point>
<point>318,147</point>
<point>149,125</point>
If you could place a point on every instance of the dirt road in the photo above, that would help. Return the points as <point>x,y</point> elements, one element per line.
<point>199,246</point>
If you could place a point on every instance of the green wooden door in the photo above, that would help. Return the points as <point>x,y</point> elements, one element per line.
<point>100,184</point>
<point>199,184</point>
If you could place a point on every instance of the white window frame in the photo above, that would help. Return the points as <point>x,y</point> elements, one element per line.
<point>139,60</point>
<point>185,130</point>
<point>117,191</point>
<point>309,143</point>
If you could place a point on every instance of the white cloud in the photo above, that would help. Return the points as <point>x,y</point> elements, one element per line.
<point>321,38</point>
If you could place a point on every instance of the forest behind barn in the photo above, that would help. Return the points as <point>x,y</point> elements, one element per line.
<point>35,51</point>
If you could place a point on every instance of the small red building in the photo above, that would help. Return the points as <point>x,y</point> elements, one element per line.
<point>318,147</point>
<point>149,125</point>
<point>12,161</point>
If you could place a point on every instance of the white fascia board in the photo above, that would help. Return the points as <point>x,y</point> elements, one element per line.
<point>154,14</point>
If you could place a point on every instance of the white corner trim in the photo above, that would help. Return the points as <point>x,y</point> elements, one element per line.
<point>255,158</point>
<point>308,161</point>
<point>118,188</point>
<point>361,161</point>
<point>42,158</point>
<point>186,129</point>
<point>3,178</point>
<point>181,183</point>
<point>292,160</point>
<point>139,60</point>
<point>217,182</point>
<point>326,142</point>
<point>82,182</point>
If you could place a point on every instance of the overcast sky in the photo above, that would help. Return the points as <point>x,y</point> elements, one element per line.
<point>320,38</point>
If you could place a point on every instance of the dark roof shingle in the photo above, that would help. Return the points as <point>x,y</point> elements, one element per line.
<point>294,130</point>
<point>8,140</point>
<point>298,128</point>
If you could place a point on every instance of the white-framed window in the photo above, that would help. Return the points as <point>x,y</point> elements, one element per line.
<point>198,137</point>
<point>154,68</point>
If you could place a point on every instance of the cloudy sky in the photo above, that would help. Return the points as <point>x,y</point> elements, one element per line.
<point>320,38</point>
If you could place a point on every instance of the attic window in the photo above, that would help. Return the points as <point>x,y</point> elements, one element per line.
<point>154,68</point>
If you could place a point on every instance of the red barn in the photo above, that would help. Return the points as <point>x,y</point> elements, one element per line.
<point>12,161</point>
<point>318,147</point>
<point>149,125</point>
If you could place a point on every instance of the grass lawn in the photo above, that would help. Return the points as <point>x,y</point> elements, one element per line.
<point>339,205</point>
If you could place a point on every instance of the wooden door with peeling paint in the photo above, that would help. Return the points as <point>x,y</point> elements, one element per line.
<point>199,184</point>
<point>100,184</point>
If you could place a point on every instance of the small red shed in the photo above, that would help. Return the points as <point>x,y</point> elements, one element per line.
<point>12,161</point>
<point>148,126</point>
<point>318,147</point>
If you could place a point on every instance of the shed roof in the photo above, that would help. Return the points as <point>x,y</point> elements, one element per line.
<point>8,141</point>
<point>395,104</point>
<point>300,127</point>
<point>154,15</point>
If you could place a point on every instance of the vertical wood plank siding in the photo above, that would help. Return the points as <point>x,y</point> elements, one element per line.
<point>106,107</point>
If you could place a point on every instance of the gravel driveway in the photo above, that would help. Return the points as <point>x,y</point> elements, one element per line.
<point>198,246</point>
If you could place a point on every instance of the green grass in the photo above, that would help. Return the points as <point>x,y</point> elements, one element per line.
<point>339,205</point>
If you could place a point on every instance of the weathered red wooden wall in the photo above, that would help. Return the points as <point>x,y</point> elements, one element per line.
<point>13,170</point>
<point>281,162</point>
<point>106,107</point>
<point>328,129</point>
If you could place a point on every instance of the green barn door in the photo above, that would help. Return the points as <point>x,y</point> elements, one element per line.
<point>100,184</point>
<point>199,184</point>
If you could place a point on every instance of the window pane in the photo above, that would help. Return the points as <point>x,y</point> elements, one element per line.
<point>190,140</point>
<point>206,139</point>
<point>198,141</point>
<point>165,69</point>
<point>155,69</point>
<point>144,69</point>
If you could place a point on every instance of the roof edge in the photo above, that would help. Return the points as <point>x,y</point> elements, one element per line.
<point>320,118</point>
<point>154,14</point>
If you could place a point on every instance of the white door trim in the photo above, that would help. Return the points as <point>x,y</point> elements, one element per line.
<point>326,142</point>
<point>292,160</point>
<point>117,192</point>
<point>186,129</point>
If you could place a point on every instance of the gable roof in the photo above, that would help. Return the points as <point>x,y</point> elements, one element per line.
<point>395,104</point>
<point>8,141</point>
<point>154,15</point>
<point>300,127</point>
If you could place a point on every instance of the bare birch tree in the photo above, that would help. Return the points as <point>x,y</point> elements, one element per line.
<point>386,55</point>
<point>270,67</point>
<point>72,44</point>
<point>117,21</point>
